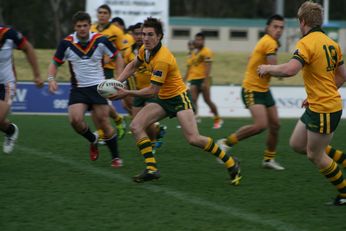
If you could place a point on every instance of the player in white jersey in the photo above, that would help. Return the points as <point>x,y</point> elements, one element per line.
<point>84,51</point>
<point>11,39</point>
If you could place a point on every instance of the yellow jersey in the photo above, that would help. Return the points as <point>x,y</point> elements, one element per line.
<point>128,40</point>
<point>196,63</point>
<point>162,65</point>
<point>320,56</point>
<point>114,35</point>
<point>266,46</point>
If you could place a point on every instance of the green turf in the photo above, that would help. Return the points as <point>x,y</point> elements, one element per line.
<point>48,183</point>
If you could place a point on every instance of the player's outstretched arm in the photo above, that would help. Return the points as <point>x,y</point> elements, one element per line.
<point>129,70</point>
<point>30,54</point>
<point>288,69</point>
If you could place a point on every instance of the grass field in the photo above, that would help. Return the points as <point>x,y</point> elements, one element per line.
<point>48,183</point>
<point>228,68</point>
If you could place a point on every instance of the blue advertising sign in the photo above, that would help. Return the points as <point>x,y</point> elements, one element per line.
<point>30,99</point>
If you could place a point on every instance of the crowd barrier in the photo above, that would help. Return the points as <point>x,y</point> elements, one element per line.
<point>31,100</point>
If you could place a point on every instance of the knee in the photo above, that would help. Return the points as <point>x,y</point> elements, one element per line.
<point>259,128</point>
<point>297,147</point>
<point>135,127</point>
<point>76,122</point>
<point>193,140</point>
<point>274,128</point>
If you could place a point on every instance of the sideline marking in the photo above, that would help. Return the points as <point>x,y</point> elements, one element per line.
<point>182,196</point>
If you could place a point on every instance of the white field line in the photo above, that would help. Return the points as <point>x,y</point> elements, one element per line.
<point>182,196</point>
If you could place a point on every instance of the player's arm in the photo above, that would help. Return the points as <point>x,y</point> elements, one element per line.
<point>340,75</point>
<point>29,52</point>
<point>129,69</point>
<point>272,59</point>
<point>119,63</point>
<point>52,72</point>
<point>147,92</point>
<point>288,69</point>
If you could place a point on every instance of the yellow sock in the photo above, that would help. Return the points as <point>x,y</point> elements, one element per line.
<point>118,119</point>
<point>268,155</point>
<point>232,140</point>
<point>216,151</point>
<point>337,155</point>
<point>146,151</point>
<point>101,134</point>
<point>334,175</point>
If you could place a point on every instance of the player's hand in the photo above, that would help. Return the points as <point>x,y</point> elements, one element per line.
<point>305,103</point>
<point>39,82</point>
<point>121,93</point>
<point>52,86</point>
<point>262,70</point>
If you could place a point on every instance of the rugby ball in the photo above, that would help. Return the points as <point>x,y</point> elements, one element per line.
<point>108,87</point>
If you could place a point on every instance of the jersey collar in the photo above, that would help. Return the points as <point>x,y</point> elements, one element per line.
<point>148,54</point>
<point>315,29</point>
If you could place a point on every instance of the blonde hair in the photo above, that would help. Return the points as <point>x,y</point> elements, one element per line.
<point>311,13</point>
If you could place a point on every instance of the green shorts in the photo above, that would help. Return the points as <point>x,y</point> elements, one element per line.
<point>324,123</point>
<point>173,105</point>
<point>254,97</point>
<point>196,82</point>
<point>109,73</point>
<point>141,102</point>
<point>131,83</point>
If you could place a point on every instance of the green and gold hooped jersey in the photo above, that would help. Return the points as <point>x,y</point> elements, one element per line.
<point>196,63</point>
<point>320,56</point>
<point>265,46</point>
<point>164,70</point>
<point>114,35</point>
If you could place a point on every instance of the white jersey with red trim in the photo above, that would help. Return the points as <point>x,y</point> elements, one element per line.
<point>85,58</point>
<point>9,39</point>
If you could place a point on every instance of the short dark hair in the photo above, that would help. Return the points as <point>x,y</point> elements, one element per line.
<point>81,16</point>
<point>105,7</point>
<point>137,25</point>
<point>274,17</point>
<point>119,20</point>
<point>200,34</point>
<point>154,23</point>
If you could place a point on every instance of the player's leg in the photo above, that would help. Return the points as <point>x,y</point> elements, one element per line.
<point>10,129</point>
<point>110,136</point>
<point>316,146</point>
<point>260,123</point>
<point>272,140</point>
<point>337,155</point>
<point>298,140</point>
<point>206,96</point>
<point>76,118</point>
<point>190,131</point>
<point>119,121</point>
<point>127,104</point>
<point>148,115</point>
<point>194,91</point>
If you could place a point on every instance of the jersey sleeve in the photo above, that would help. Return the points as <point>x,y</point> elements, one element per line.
<point>59,56</point>
<point>109,48</point>
<point>271,48</point>
<point>207,55</point>
<point>340,57</point>
<point>16,37</point>
<point>301,53</point>
<point>159,74</point>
